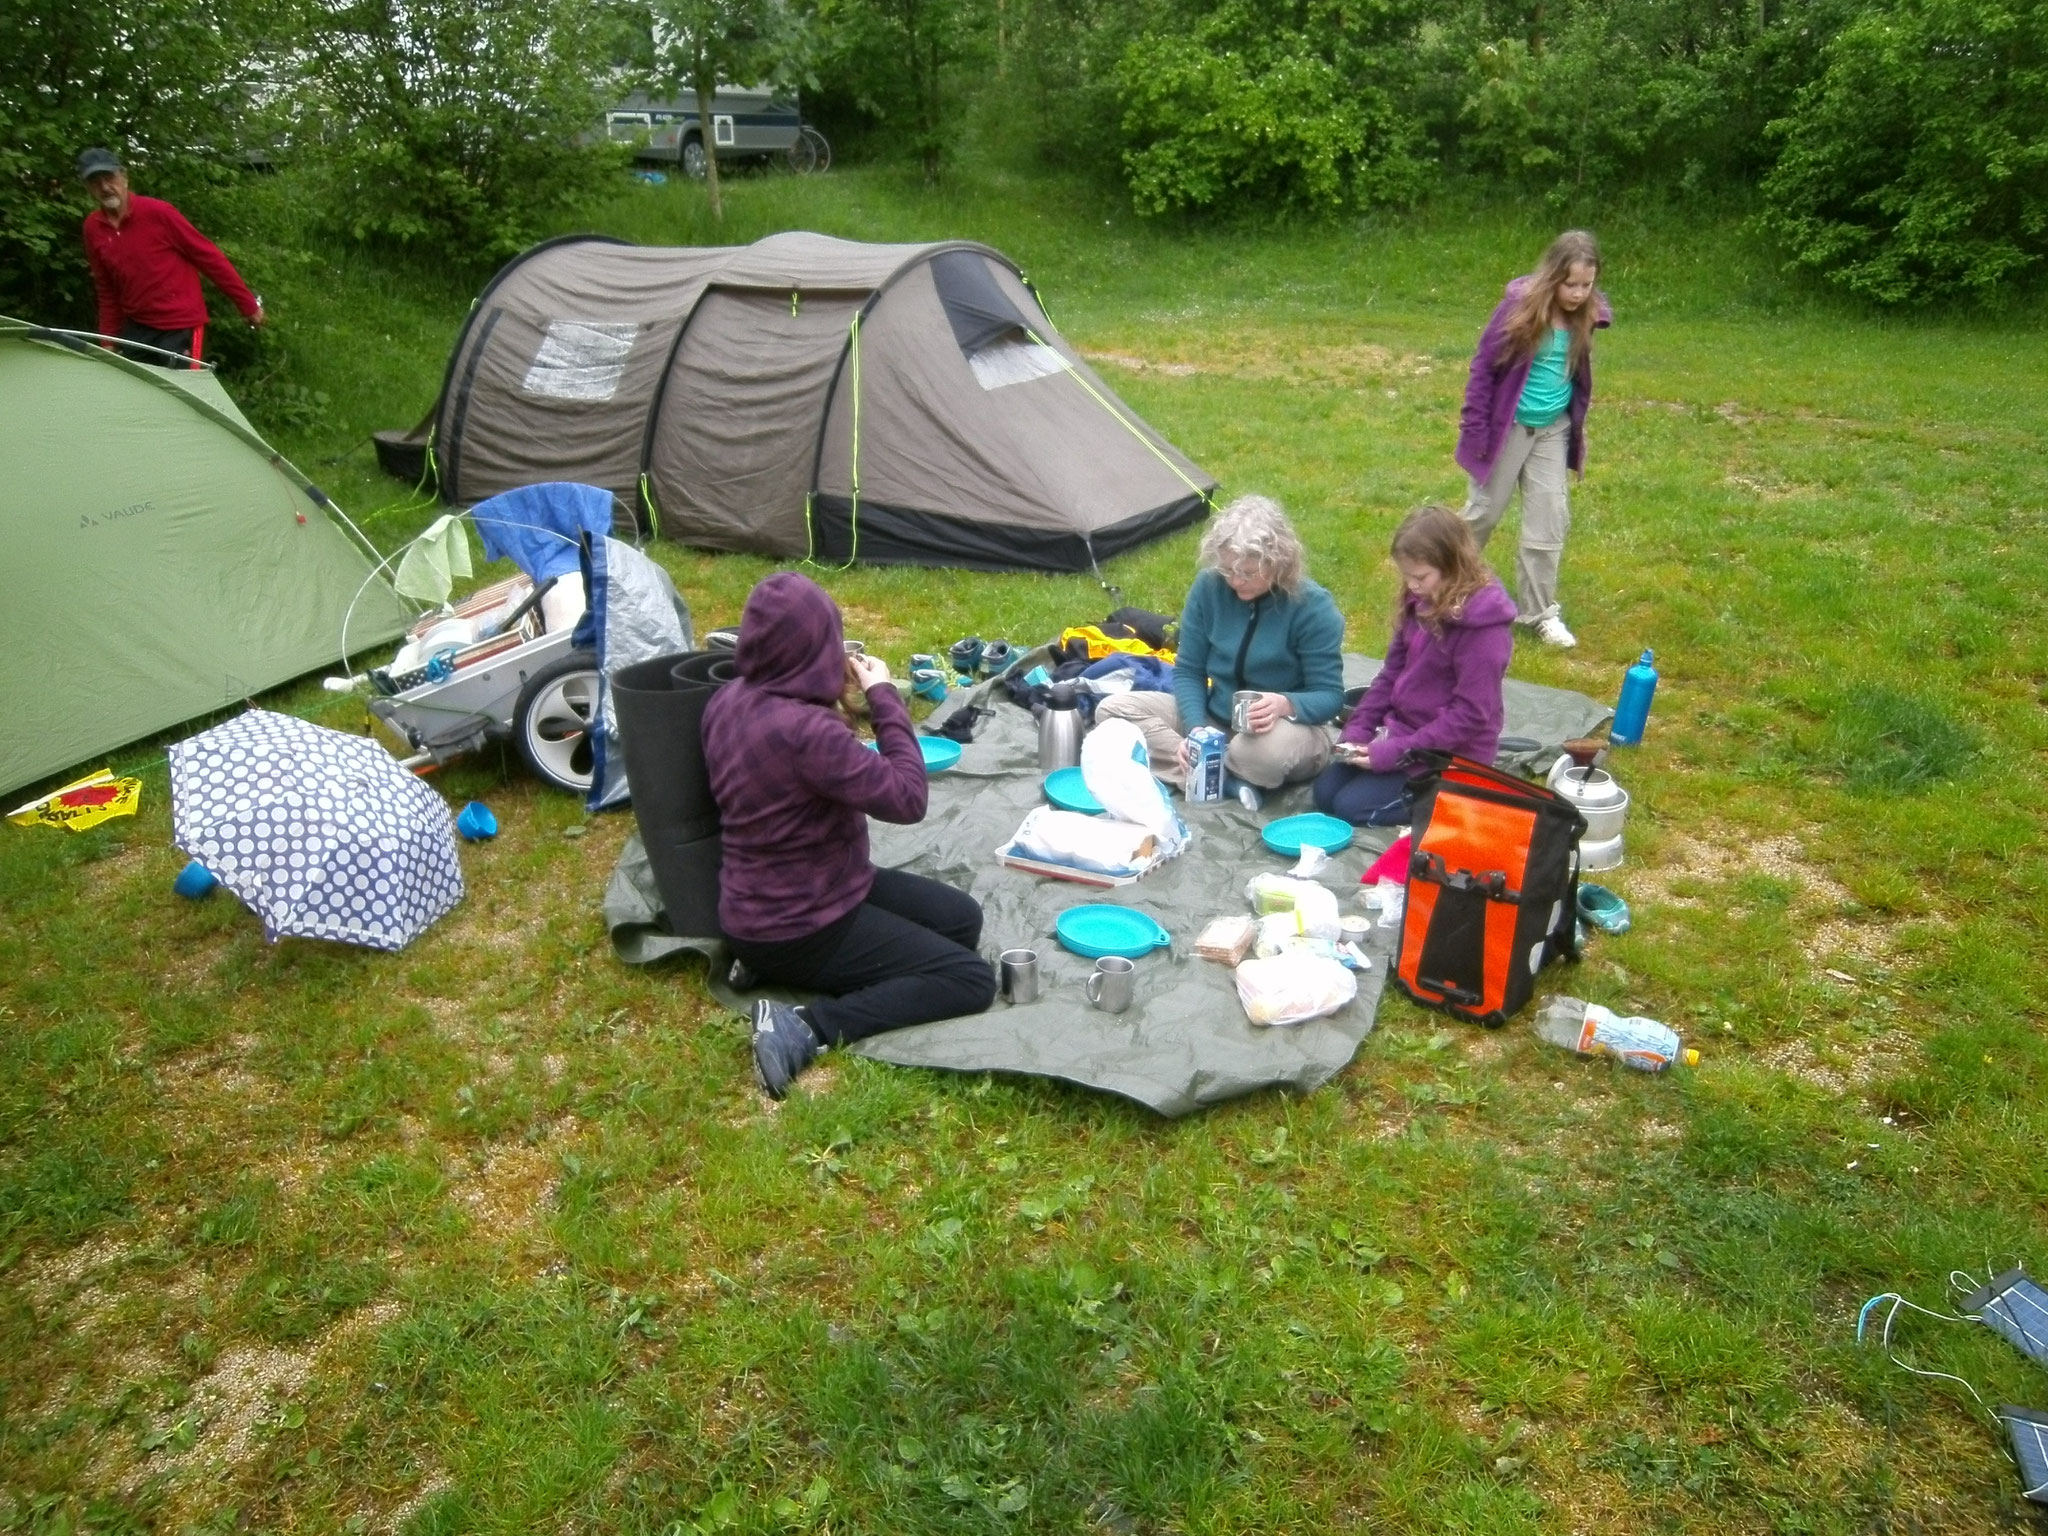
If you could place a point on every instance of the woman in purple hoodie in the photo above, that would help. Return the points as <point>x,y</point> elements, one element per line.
<point>1440,688</point>
<point>799,900</point>
<point>1524,421</point>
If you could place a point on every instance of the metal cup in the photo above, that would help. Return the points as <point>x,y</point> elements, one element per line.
<point>1241,709</point>
<point>1019,968</point>
<point>1113,985</point>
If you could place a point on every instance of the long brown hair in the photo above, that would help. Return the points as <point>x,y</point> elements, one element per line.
<point>1529,322</point>
<point>1440,539</point>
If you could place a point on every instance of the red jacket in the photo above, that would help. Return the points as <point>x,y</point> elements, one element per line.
<point>147,268</point>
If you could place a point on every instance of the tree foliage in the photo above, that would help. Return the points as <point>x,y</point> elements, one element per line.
<point>160,82</point>
<point>1297,104</point>
<point>1917,163</point>
<point>454,124</point>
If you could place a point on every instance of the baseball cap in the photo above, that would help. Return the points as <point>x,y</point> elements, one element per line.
<point>96,160</point>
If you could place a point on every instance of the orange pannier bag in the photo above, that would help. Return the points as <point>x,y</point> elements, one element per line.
<point>1493,886</point>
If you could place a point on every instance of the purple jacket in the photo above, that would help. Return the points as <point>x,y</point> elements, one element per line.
<point>1440,693</point>
<point>794,785</point>
<point>1495,389</point>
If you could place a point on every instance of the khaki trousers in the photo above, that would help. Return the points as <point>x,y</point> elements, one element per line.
<point>1532,458</point>
<point>1288,754</point>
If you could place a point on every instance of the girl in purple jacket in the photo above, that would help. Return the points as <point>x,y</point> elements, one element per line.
<point>799,900</point>
<point>1524,421</point>
<point>1440,688</point>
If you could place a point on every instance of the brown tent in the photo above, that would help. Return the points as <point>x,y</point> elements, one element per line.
<point>806,396</point>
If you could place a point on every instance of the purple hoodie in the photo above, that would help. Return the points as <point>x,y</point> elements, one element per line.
<point>794,785</point>
<point>1440,693</point>
<point>1495,389</point>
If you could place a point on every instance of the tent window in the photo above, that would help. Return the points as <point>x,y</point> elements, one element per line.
<point>580,360</point>
<point>1012,360</point>
<point>975,303</point>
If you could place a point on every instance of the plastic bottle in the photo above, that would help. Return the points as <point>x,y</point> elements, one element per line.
<point>1591,1030</point>
<point>1632,711</point>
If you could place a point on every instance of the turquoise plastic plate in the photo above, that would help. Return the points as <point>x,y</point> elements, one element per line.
<point>1065,788</point>
<point>940,752</point>
<point>1312,829</point>
<point>1102,928</point>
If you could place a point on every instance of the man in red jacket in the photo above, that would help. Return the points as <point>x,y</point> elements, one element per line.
<point>146,259</point>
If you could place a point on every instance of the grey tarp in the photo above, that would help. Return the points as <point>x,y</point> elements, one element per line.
<point>1186,1043</point>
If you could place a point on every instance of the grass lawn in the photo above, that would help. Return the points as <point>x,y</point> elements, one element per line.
<point>497,1235</point>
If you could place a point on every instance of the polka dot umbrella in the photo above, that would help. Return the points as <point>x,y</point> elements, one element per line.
<point>320,833</point>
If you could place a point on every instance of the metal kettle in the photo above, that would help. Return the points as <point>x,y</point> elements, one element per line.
<point>1059,730</point>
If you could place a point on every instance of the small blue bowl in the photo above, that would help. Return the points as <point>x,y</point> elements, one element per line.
<point>940,752</point>
<point>1311,829</point>
<point>1103,928</point>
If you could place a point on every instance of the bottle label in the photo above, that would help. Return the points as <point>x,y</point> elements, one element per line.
<point>1640,1043</point>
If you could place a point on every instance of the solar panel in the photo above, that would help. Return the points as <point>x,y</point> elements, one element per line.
<point>2029,1432</point>
<point>2013,1305</point>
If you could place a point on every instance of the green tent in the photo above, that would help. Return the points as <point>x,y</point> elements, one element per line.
<point>162,560</point>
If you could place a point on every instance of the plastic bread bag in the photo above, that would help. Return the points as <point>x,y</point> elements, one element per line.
<point>1098,843</point>
<point>1293,988</point>
<point>1118,772</point>
<point>1316,905</point>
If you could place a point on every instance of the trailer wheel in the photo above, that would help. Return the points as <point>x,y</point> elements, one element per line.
<point>692,158</point>
<point>552,720</point>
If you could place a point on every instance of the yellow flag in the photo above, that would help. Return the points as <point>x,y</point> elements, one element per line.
<point>83,803</point>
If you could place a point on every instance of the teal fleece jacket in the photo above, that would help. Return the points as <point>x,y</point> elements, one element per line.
<point>1295,647</point>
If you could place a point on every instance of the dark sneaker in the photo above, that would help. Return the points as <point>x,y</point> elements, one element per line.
<point>783,1046</point>
<point>741,977</point>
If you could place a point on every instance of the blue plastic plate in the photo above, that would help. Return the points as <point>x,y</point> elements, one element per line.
<point>1312,829</point>
<point>1102,928</point>
<point>940,752</point>
<point>1065,788</point>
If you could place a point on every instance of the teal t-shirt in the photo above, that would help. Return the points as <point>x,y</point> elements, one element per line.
<point>1548,394</point>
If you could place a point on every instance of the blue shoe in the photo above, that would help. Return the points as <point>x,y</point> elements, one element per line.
<point>928,683</point>
<point>966,654</point>
<point>996,657</point>
<point>783,1046</point>
<point>1602,908</point>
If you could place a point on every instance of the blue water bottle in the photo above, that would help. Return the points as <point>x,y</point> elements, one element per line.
<point>1632,712</point>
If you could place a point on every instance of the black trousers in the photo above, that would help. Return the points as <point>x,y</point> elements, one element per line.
<point>906,955</point>
<point>180,342</point>
<point>1362,797</point>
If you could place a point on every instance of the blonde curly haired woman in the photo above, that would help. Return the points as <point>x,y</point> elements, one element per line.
<point>1253,622</point>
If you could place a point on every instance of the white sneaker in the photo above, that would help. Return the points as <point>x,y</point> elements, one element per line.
<point>1551,631</point>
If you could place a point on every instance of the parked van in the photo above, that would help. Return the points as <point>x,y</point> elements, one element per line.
<point>747,124</point>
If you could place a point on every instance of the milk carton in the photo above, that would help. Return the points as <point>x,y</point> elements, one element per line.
<point>1205,780</point>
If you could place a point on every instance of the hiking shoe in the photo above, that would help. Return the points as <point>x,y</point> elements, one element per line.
<point>1602,908</point>
<point>996,657</point>
<point>783,1046</point>
<point>966,654</point>
<point>1551,631</point>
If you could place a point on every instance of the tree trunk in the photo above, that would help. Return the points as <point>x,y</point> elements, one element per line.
<point>930,92</point>
<point>707,132</point>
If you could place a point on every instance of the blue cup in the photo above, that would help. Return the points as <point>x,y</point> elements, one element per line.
<point>195,881</point>
<point>476,822</point>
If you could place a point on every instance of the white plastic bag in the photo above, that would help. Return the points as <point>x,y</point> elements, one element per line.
<point>1293,988</point>
<point>1099,843</point>
<point>1118,772</point>
<point>1316,905</point>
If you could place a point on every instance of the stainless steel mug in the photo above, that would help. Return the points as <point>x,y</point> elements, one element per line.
<point>1241,709</point>
<point>1113,985</point>
<point>1020,975</point>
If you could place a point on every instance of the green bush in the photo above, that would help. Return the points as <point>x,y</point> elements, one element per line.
<point>1917,163</point>
<point>455,127</point>
<point>160,82</point>
<point>1297,105</point>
